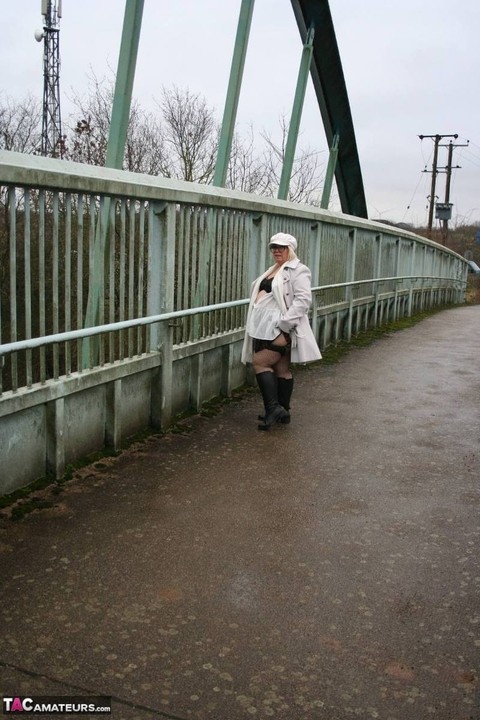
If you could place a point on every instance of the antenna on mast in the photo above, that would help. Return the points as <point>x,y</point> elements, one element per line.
<point>52,138</point>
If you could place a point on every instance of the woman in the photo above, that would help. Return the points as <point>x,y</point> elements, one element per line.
<point>277,330</point>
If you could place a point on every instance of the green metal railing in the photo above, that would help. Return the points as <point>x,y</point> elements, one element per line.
<point>178,252</point>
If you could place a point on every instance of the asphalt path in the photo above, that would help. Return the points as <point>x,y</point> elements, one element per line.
<point>326,569</point>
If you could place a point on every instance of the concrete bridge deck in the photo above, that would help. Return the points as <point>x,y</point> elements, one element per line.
<point>327,569</point>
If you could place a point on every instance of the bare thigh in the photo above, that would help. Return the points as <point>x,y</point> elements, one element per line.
<point>268,360</point>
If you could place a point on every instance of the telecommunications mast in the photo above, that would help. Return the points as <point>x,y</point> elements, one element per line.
<point>52,139</point>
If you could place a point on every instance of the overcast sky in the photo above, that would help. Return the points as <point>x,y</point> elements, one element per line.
<point>410,67</point>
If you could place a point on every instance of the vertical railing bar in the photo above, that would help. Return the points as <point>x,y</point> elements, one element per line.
<point>213,268</point>
<point>180,215</point>
<point>238,255</point>
<point>148,261</point>
<point>218,265</point>
<point>412,283</point>
<point>80,211</point>
<point>233,262</point>
<point>102,220</point>
<point>91,250</point>
<point>227,222</point>
<point>187,210</point>
<point>68,279</point>
<point>27,284</point>
<point>243,290</point>
<point>156,285</point>
<point>423,281</point>
<point>41,282</point>
<point>228,262</point>
<point>122,283</point>
<point>247,229</point>
<point>198,288</point>
<point>227,259</point>
<point>212,227</point>
<point>141,241</point>
<point>111,281</point>
<point>216,253</point>
<point>236,266</point>
<point>231,265</point>
<point>131,270</point>
<point>351,269</point>
<point>193,263</point>
<point>242,264</point>
<point>55,282</point>
<point>202,275</point>
<point>13,283</point>
<point>1,336</point>
<point>151,286</point>
<point>215,282</point>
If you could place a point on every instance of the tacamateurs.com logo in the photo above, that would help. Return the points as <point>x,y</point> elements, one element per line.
<point>41,705</point>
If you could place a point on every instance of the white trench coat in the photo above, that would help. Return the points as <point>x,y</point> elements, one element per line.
<point>291,288</point>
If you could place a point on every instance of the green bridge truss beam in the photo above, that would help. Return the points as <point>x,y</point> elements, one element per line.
<point>329,83</point>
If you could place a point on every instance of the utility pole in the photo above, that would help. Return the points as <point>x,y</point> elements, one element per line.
<point>436,139</point>
<point>448,171</point>
<point>52,138</point>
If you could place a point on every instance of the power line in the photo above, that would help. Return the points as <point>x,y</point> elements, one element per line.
<point>471,158</point>
<point>413,196</point>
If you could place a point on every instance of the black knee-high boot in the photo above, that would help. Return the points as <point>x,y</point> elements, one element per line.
<point>267,382</point>
<point>285,389</point>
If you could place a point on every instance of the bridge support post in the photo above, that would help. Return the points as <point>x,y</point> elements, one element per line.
<point>196,382</point>
<point>233,93</point>
<point>378,274</point>
<point>412,280</point>
<point>352,251</point>
<point>207,241</point>
<point>161,279</point>
<point>330,173</point>
<point>296,116</point>
<point>227,370</point>
<point>257,252</point>
<point>314,262</point>
<point>115,150</point>
<point>55,426</point>
<point>397,273</point>
<point>154,272</point>
<point>113,425</point>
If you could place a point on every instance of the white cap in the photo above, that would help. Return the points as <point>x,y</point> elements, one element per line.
<point>283,239</point>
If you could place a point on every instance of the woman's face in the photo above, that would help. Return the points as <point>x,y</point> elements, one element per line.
<point>280,253</point>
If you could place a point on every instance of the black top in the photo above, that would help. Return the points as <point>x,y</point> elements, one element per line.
<point>266,285</point>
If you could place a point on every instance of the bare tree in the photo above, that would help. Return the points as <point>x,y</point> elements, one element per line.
<point>20,131</point>
<point>88,139</point>
<point>307,177</point>
<point>247,170</point>
<point>179,141</point>
<point>20,124</point>
<point>191,134</point>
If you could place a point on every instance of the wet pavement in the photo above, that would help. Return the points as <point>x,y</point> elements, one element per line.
<point>326,569</point>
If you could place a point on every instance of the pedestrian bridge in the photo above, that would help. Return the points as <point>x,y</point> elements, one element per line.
<point>123,299</point>
<point>327,569</point>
